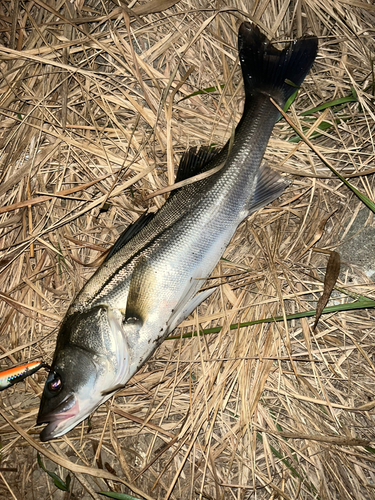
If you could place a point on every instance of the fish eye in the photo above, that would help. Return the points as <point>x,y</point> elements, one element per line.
<point>55,384</point>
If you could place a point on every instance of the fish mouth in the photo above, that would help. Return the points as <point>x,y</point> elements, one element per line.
<point>60,420</point>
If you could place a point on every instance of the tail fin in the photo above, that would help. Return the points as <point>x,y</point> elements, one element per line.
<point>269,70</point>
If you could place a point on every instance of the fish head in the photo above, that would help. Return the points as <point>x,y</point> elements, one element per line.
<point>91,362</point>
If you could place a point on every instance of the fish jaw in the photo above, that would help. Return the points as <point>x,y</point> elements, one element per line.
<point>74,408</point>
<point>73,411</point>
<point>59,421</point>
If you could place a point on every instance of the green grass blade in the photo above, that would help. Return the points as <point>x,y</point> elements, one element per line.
<point>292,469</point>
<point>369,203</point>
<point>118,496</point>
<point>323,126</point>
<point>363,303</point>
<point>58,482</point>
<point>278,455</point>
<point>352,97</point>
<point>208,90</point>
<point>290,101</point>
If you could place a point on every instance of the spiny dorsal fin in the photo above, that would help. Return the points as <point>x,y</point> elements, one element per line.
<point>129,233</point>
<point>193,162</point>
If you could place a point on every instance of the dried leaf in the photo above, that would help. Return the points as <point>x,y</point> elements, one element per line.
<point>67,464</point>
<point>154,6</point>
<point>40,199</point>
<point>337,440</point>
<point>332,273</point>
<point>318,233</point>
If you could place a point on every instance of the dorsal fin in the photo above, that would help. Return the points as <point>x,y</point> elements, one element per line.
<point>193,162</point>
<point>129,233</point>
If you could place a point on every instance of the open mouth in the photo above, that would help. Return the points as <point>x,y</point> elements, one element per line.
<point>59,420</point>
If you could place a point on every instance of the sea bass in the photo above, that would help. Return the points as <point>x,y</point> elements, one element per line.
<point>150,280</point>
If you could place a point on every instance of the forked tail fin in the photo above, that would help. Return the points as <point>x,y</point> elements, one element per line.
<point>269,70</point>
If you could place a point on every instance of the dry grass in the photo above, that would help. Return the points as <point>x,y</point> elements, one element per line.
<point>90,93</point>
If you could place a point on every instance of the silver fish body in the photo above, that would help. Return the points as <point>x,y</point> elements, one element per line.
<point>150,283</point>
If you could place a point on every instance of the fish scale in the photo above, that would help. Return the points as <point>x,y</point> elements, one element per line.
<point>151,279</point>
<point>221,198</point>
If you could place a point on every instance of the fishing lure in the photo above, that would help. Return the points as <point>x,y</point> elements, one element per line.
<point>15,374</point>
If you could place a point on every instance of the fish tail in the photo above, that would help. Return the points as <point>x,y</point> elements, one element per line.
<point>269,70</point>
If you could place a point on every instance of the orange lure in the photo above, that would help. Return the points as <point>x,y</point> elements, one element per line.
<point>17,373</point>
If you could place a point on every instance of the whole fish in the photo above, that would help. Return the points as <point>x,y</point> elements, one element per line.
<point>15,374</point>
<point>149,282</point>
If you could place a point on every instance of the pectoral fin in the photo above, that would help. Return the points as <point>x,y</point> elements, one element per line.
<point>141,291</point>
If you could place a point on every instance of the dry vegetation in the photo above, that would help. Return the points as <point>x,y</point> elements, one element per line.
<point>92,122</point>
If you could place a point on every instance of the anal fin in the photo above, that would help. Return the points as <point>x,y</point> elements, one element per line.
<point>183,313</point>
